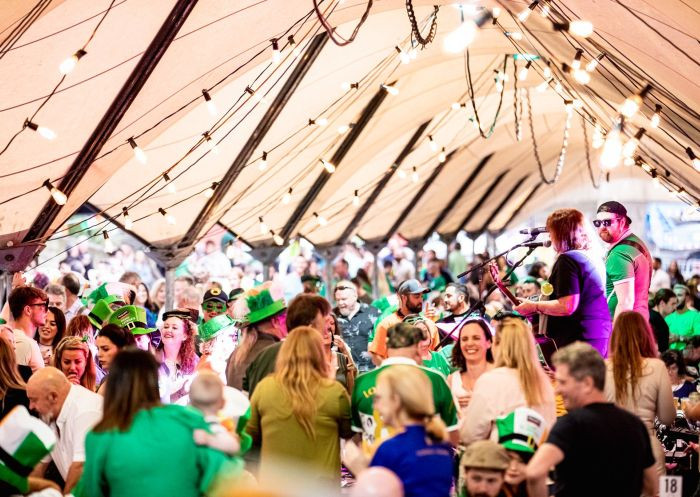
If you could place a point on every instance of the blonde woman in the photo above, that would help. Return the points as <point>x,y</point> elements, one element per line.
<point>13,391</point>
<point>517,380</point>
<point>298,414</point>
<point>74,358</point>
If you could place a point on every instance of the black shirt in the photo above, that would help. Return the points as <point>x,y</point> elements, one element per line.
<point>661,331</point>
<point>606,450</point>
<point>355,332</point>
<point>12,398</point>
<point>573,273</point>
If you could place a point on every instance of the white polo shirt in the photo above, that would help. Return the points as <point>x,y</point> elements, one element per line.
<point>81,411</point>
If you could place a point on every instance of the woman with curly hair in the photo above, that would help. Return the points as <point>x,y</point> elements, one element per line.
<point>73,356</point>
<point>176,354</point>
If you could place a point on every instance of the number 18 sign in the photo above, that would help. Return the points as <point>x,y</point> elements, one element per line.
<point>670,486</point>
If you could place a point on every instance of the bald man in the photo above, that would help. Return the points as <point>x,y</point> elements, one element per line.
<point>71,411</point>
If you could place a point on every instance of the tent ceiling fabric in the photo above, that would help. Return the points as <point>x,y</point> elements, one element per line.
<point>225,47</point>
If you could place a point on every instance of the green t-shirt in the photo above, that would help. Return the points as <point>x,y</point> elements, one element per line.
<point>437,362</point>
<point>366,420</point>
<point>682,327</point>
<point>628,260</point>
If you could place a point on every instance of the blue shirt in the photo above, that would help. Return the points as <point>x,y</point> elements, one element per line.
<point>425,469</point>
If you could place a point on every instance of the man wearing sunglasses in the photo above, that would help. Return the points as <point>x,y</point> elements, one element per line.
<point>214,303</point>
<point>627,264</point>
<point>28,307</point>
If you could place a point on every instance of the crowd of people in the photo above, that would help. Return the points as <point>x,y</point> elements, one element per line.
<point>560,384</point>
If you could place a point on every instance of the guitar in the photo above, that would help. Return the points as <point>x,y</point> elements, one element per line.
<point>546,345</point>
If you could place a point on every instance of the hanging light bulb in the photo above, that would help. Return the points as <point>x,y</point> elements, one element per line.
<point>128,223</point>
<point>576,63</point>
<point>459,39</point>
<point>47,133</point>
<point>442,157</point>
<point>287,197</point>
<point>347,86</point>
<point>69,64</point>
<point>322,221</point>
<point>402,174</point>
<point>330,168</point>
<point>276,54</point>
<point>211,106</point>
<point>211,144</point>
<point>138,151</point>
<point>414,175</point>
<point>58,196</point>
<point>171,185</point>
<point>514,35</point>
<point>169,218</point>
<point>109,246</point>
<point>263,161</point>
<point>495,12</point>
<point>612,150</point>
<point>631,146</point>
<point>591,66</point>
<point>403,56</point>
<point>693,158</point>
<point>581,76</point>
<point>279,241</point>
<point>255,95</point>
<point>632,104</point>
<point>209,192</point>
<point>542,87</point>
<point>583,29</point>
<point>390,89</point>
<point>522,74</point>
<point>296,49</point>
<point>525,14</point>
<point>433,144</point>
<point>547,71</point>
<point>263,227</point>
<point>356,199</point>
<point>455,106</point>
<point>656,118</point>
<point>544,12</point>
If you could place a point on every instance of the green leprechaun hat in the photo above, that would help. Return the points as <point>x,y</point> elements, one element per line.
<point>24,441</point>
<point>522,430</point>
<point>259,303</point>
<point>103,308</point>
<point>216,325</point>
<point>132,318</point>
<point>107,289</point>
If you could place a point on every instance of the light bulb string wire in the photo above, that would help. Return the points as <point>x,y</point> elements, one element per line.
<point>22,25</point>
<point>340,41</point>
<point>516,121</point>
<point>587,150</point>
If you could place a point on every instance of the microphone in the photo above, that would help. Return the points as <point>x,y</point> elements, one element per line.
<point>534,231</point>
<point>543,243</point>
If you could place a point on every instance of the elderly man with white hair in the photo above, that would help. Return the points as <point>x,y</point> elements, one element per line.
<point>356,321</point>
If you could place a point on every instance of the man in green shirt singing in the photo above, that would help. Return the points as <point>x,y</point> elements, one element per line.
<point>402,348</point>
<point>683,323</point>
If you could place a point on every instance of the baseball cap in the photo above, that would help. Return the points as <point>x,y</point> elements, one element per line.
<point>486,454</point>
<point>411,286</point>
<point>235,293</point>
<point>215,295</point>
<point>616,208</point>
<point>403,335</point>
<point>521,430</point>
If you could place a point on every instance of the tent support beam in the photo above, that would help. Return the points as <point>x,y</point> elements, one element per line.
<point>453,201</point>
<point>338,156</point>
<point>222,225</point>
<point>416,198</point>
<point>501,205</point>
<point>114,114</point>
<point>521,206</point>
<point>481,201</point>
<point>407,149</point>
<point>209,211</point>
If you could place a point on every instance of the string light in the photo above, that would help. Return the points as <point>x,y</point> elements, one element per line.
<point>211,144</point>
<point>211,106</point>
<point>544,12</point>
<point>632,104</point>
<point>128,223</point>
<point>403,56</point>
<point>591,66</point>
<point>255,96</point>
<point>459,39</point>
<point>630,147</point>
<point>414,175</point>
<point>347,86</point>
<point>279,241</point>
<point>138,151</point>
<point>580,28</point>
<point>457,105</point>
<point>320,121</point>
<point>58,196</point>
<point>522,74</point>
<point>69,64</point>
<point>433,144</point>
<point>330,168</point>
<point>547,71</point>
<point>656,118</point>
<point>171,185</point>
<point>402,174</point>
<point>693,158</point>
<point>580,75</point>
<point>47,133</point>
<point>209,192</point>
<point>495,12</point>
<point>296,49</point>
<point>276,54</point>
<point>542,87</point>
<point>109,246</point>
<point>263,162</point>
<point>598,138</point>
<point>628,161</point>
<point>391,90</point>
<point>263,227</point>
<point>612,150</point>
<point>344,128</point>
<point>169,218</point>
<point>514,35</point>
<point>287,197</point>
<point>322,221</point>
<point>442,157</point>
<point>525,14</point>
<point>356,199</point>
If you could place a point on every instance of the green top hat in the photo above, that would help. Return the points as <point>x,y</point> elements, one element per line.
<point>214,326</point>
<point>522,430</point>
<point>107,289</point>
<point>103,308</point>
<point>262,305</point>
<point>132,318</point>
<point>24,441</point>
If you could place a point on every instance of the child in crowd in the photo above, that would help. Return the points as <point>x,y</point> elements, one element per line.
<point>207,396</point>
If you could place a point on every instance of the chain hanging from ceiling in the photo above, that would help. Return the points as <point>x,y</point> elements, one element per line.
<point>588,154</point>
<point>564,145</point>
<point>467,64</point>
<point>414,24</point>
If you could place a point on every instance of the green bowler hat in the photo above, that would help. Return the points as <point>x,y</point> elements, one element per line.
<point>215,325</point>
<point>24,441</point>
<point>132,318</point>
<point>262,306</point>
<point>103,308</point>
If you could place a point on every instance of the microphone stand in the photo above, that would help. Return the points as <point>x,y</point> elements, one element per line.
<point>480,304</point>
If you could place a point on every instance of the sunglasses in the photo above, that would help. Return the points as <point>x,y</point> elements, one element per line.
<point>214,307</point>
<point>45,305</point>
<point>604,222</point>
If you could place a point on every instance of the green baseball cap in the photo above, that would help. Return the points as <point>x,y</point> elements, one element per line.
<point>521,430</point>
<point>103,308</point>
<point>132,318</point>
<point>216,325</point>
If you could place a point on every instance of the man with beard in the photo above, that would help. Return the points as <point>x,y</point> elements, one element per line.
<point>71,411</point>
<point>356,321</point>
<point>627,264</point>
<point>410,294</point>
<point>485,463</point>
<point>28,307</point>
<point>683,323</point>
<point>665,302</point>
